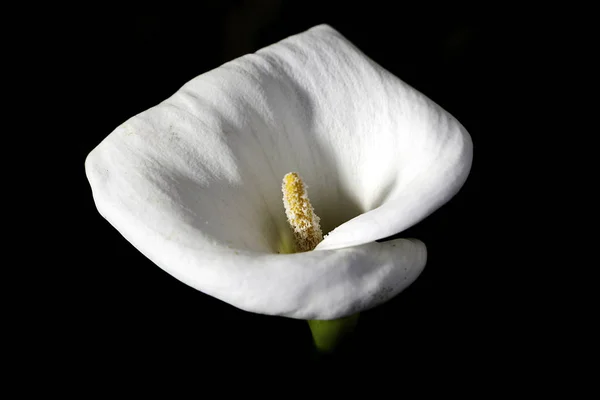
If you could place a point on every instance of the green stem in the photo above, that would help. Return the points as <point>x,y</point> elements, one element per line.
<point>328,334</point>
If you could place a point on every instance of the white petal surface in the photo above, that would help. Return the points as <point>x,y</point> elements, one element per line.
<point>194,182</point>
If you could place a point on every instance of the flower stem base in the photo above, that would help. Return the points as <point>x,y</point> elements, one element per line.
<point>328,334</point>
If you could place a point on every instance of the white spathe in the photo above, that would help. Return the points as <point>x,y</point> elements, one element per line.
<point>194,183</point>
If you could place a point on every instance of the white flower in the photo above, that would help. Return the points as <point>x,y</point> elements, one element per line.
<point>194,183</point>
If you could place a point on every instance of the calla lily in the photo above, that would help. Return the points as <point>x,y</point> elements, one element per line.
<point>194,183</point>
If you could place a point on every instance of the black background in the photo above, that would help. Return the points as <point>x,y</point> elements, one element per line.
<point>114,306</point>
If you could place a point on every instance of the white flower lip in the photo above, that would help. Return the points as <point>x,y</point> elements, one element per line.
<point>194,182</point>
